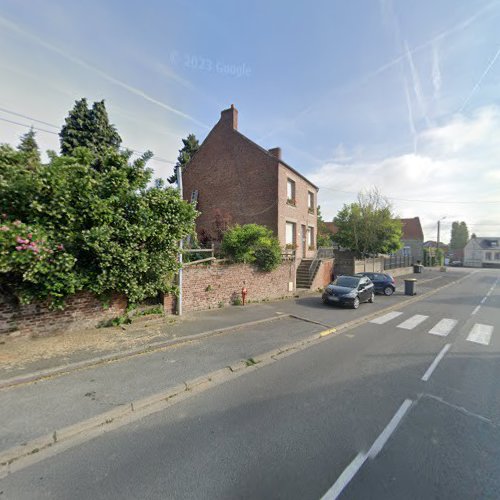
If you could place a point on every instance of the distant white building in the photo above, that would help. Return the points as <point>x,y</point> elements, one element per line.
<point>482,252</point>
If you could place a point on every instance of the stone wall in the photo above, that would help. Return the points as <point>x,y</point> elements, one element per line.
<point>220,284</point>
<point>83,310</point>
<point>324,275</point>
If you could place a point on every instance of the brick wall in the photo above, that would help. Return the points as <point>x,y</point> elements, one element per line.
<point>83,310</point>
<point>209,286</point>
<point>324,275</point>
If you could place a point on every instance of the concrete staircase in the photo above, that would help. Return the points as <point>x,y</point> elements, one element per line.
<point>304,278</point>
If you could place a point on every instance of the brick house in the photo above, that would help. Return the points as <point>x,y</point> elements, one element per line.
<point>412,239</point>
<point>233,180</point>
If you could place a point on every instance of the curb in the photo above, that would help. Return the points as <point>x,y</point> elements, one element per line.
<point>37,449</point>
<point>155,346</point>
<point>55,372</point>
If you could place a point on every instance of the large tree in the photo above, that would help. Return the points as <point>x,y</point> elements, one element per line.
<point>90,128</point>
<point>189,148</point>
<point>368,227</point>
<point>459,235</point>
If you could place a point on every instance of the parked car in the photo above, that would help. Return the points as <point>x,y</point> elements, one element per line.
<point>349,291</point>
<point>383,282</point>
<point>456,263</point>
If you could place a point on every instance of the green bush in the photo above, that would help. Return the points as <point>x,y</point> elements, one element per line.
<point>252,244</point>
<point>119,232</point>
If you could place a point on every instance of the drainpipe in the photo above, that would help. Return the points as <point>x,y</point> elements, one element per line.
<point>179,297</point>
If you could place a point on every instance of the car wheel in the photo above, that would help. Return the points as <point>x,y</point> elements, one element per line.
<point>371,300</point>
<point>388,290</point>
<point>325,301</point>
<point>355,304</point>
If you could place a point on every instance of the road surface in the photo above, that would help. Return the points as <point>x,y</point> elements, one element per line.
<point>404,406</point>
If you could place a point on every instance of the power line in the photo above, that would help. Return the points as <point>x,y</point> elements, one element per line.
<point>156,158</point>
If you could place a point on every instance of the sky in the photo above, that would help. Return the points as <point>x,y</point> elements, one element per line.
<point>395,94</point>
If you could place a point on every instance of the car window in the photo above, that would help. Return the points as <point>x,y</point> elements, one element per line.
<point>347,281</point>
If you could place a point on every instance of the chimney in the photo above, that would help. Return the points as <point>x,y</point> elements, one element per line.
<point>276,152</point>
<point>230,117</point>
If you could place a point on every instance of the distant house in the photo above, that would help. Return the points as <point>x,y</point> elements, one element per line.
<point>412,239</point>
<point>433,244</point>
<point>233,180</point>
<point>482,252</point>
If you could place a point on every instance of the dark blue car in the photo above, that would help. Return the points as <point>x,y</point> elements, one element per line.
<point>384,283</point>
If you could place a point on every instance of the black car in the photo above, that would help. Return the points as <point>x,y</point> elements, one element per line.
<point>349,291</point>
<point>384,283</point>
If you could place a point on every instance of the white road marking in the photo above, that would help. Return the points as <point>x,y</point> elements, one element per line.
<point>345,478</point>
<point>475,310</point>
<point>483,300</point>
<point>444,327</point>
<point>351,470</point>
<point>390,428</point>
<point>427,375</point>
<point>386,317</point>
<point>412,322</point>
<point>480,334</point>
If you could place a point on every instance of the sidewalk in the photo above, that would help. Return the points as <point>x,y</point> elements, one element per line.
<point>48,406</point>
<point>24,356</point>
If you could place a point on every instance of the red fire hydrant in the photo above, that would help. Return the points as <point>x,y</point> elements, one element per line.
<point>243,294</point>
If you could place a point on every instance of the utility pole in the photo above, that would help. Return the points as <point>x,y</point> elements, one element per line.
<point>179,297</point>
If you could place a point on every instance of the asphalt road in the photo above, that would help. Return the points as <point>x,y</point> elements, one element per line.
<point>386,410</point>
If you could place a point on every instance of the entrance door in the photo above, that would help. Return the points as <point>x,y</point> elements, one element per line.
<point>304,240</point>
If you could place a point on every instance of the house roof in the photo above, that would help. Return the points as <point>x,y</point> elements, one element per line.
<point>331,227</point>
<point>412,229</point>
<point>278,159</point>
<point>486,242</point>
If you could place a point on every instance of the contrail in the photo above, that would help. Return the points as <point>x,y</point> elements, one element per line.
<point>454,29</point>
<point>478,83</point>
<point>76,60</point>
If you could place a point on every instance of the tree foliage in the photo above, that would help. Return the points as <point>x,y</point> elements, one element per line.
<point>252,243</point>
<point>116,232</point>
<point>368,227</point>
<point>89,128</point>
<point>189,148</point>
<point>28,147</point>
<point>459,235</point>
<point>324,238</point>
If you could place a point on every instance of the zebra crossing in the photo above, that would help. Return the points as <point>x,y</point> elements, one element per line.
<point>479,334</point>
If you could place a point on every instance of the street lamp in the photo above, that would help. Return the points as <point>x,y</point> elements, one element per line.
<point>438,231</point>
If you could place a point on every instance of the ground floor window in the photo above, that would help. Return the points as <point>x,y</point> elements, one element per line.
<point>290,233</point>
<point>310,237</point>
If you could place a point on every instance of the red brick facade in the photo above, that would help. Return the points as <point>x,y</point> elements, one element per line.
<point>83,310</point>
<point>238,182</point>
<point>217,285</point>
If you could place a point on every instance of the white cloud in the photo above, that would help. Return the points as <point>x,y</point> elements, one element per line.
<point>457,162</point>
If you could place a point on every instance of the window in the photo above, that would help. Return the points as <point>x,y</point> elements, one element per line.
<point>290,192</point>
<point>487,256</point>
<point>310,202</point>
<point>290,234</point>
<point>497,255</point>
<point>310,237</point>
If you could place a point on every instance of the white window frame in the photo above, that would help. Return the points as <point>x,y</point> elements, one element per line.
<point>310,236</point>
<point>290,226</point>
<point>290,191</point>
<point>310,200</point>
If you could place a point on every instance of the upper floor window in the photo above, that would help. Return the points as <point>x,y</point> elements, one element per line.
<point>487,256</point>
<point>310,202</point>
<point>497,255</point>
<point>290,192</point>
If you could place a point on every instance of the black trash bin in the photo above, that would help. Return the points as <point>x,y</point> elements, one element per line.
<point>411,286</point>
<point>417,268</point>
